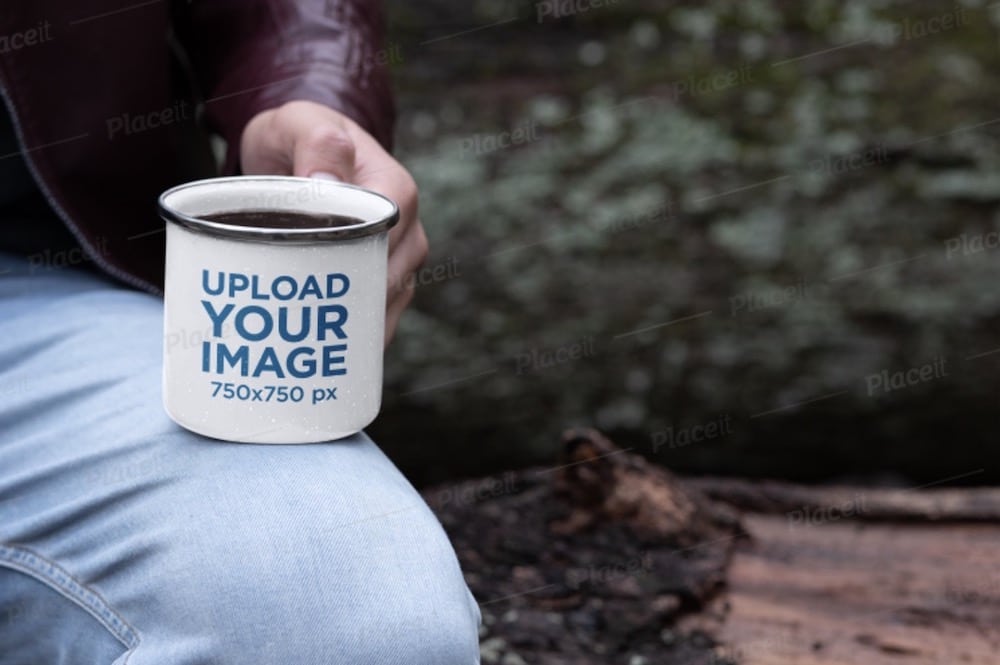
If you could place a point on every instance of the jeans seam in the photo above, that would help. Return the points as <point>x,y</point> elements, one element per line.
<point>55,577</point>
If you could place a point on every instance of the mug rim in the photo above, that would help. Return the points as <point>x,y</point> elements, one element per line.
<point>276,234</point>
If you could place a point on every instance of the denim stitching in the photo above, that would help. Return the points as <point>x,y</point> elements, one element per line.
<point>61,581</point>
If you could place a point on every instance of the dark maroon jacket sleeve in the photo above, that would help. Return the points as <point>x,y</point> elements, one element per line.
<point>253,55</point>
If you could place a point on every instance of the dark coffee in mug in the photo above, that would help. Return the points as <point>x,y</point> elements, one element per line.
<point>281,219</point>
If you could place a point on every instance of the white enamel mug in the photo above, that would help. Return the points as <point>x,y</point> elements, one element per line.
<point>271,334</point>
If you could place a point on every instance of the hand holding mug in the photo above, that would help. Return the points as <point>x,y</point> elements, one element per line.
<point>311,140</point>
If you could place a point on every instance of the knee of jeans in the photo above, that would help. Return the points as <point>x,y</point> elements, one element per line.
<point>409,603</point>
<point>311,589</point>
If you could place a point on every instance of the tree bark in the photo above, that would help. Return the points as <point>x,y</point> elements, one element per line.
<point>608,558</point>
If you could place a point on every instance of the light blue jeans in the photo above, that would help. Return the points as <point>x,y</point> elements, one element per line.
<point>126,539</point>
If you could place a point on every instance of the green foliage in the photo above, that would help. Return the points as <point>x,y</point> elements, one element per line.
<point>811,204</point>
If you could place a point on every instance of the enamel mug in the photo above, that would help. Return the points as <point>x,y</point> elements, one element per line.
<point>274,297</point>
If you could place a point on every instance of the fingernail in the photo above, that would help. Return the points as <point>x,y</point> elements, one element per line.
<point>323,175</point>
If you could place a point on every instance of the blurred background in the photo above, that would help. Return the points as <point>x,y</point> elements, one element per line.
<point>741,237</point>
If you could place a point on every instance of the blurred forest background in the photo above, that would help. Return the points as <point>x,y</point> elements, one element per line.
<point>763,235</point>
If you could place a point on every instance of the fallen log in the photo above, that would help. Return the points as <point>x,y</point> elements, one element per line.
<point>608,558</point>
<point>838,575</point>
<point>591,560</point>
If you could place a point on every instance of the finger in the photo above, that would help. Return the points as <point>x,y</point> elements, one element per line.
<point>395,311</point>
<point>410,254</point>
<point>261,152</point>
<point>403,264</point>
<point>310,139</point>
<point>376,170</point>
<point>400,187</point>
<point>407,216</point>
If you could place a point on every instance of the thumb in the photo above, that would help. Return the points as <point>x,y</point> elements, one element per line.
<point>325,151</point>
<point>298,138</point>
